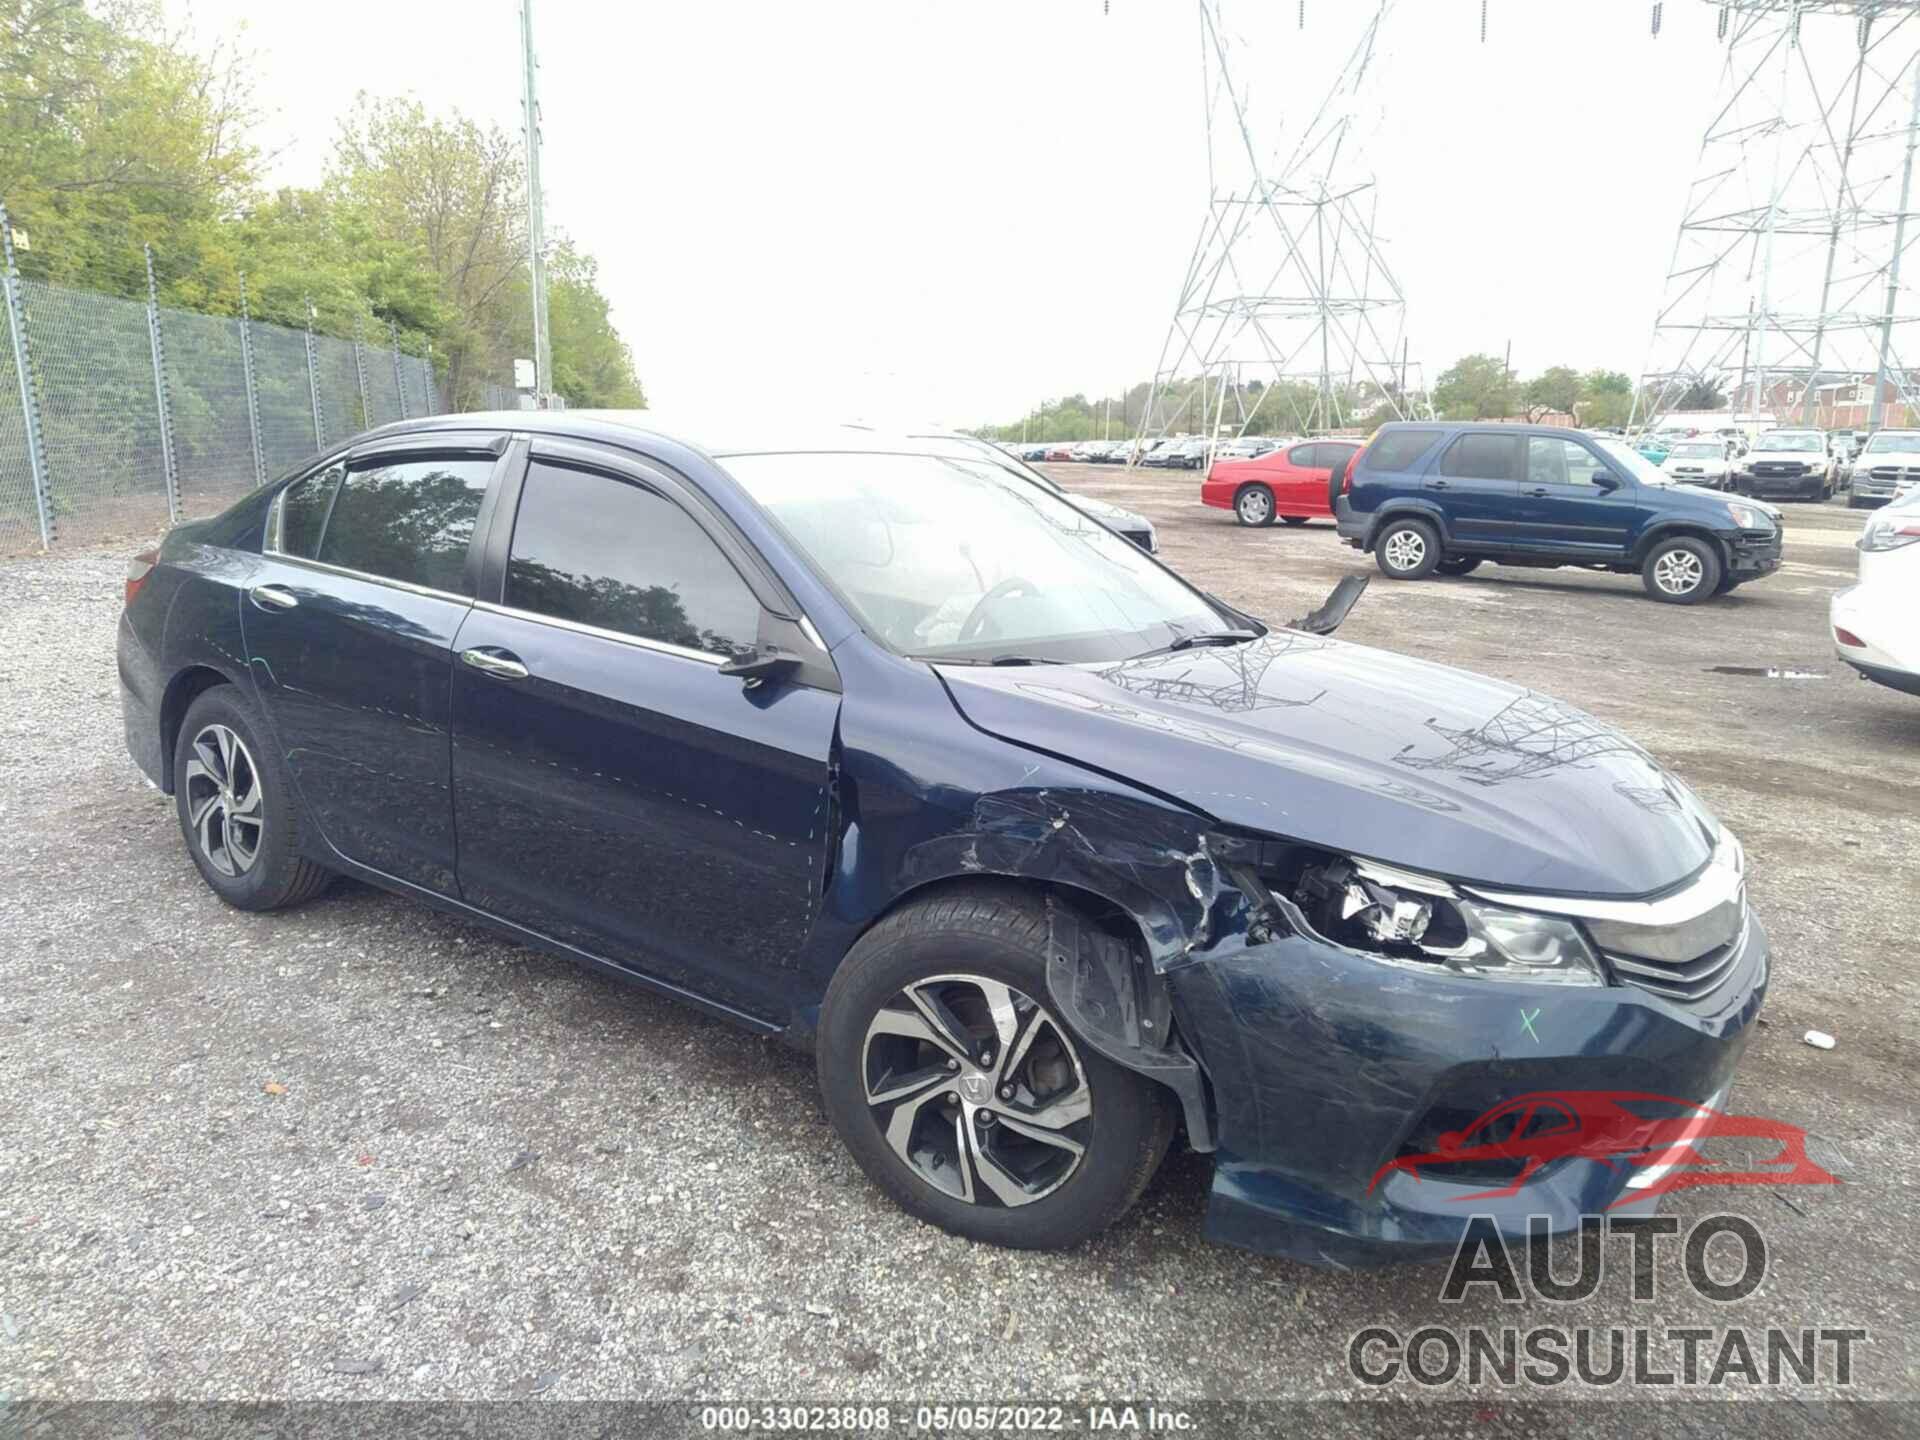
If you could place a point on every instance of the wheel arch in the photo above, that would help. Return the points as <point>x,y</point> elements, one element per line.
<point>1099,976</point>
<point>1408,509</point>
<point>182,690</point>
<point>1675,529</point>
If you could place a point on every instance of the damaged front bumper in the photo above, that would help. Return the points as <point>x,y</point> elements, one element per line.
<point>1325,1066</point>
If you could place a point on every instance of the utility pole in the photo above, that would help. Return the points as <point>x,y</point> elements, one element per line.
<point>1877,412</point>
<point>536,227</point>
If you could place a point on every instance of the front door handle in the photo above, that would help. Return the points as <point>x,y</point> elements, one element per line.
<point>272,597</point>
<point>1538,492</point>
<point>497,663</point>
<point>1437,485</point>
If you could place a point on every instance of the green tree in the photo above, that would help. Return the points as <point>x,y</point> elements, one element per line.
<point>1704,393</point>
<point>1606,398</point>
<point>1554,391</point>
<point>1475,387</point>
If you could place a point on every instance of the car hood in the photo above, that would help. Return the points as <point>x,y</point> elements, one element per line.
<point>1112,516</point>
<point>1369,753</point>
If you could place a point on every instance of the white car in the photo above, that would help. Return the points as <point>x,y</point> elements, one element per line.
<point>1873,622</point>
<point>1699,462</point>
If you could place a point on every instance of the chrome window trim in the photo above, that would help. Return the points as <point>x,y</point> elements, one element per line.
<point>705,657</point>
<point>407,585</point>
<point>1721,880</point>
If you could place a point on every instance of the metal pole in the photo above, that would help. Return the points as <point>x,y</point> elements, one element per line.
<point>253,387</point>
<point>1833,236</point>
<point>165,416</point>
<point>313,386</point>
<point>29,397</point>
<point>1788,39</point>
<point>426,365</point>
<point>536,224</point>
<point>1878,410</point>
<point>399,385</point>
<point>360,369</point>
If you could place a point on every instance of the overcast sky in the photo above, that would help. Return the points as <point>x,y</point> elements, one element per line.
<point>954,208</point>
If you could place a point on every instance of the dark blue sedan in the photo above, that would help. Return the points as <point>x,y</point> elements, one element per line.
<point>882,747</point>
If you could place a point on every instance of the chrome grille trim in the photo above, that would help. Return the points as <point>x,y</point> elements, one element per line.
<point>1681,946</point>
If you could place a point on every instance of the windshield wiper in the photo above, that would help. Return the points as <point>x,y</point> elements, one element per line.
<point>1213,637</point>
<point>1021,660</point>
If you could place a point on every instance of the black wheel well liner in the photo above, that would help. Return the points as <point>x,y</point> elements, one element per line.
<point>1082,923</point>
<point>182,690</point>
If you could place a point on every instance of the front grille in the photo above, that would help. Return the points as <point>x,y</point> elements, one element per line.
<point>1895,473</point>
<point>1779,468</point>
<point>1693,978</point>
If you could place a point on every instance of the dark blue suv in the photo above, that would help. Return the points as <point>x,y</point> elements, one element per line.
<point>1441,498</point>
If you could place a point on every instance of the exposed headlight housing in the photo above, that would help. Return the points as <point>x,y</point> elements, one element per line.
<point>1400,917</point>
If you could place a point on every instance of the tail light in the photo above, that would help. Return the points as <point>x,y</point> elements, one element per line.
<point>138,569</point>
<point>1847,637</point>
<point>1346,476</point>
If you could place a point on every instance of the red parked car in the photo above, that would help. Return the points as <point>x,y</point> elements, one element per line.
<point>1290,483</point>
<point>1062,451</point>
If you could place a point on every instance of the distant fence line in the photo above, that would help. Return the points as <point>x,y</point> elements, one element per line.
<point>116,416</point>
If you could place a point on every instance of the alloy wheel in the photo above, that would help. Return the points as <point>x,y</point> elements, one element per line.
<point>224,803</point>
<point>977,1089</point>
<point>1678,572</point>
<point>1406,549</point>
<point>1255,506</point>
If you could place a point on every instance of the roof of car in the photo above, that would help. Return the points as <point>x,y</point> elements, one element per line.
<point>717,436</point>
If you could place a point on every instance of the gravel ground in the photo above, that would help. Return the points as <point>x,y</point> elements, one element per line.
<point>361,1150</point>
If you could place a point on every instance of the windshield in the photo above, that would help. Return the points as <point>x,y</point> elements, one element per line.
<point>1694,450</point>
<point>949,558</point>
<point>1626,458</point>
<point>1884,444</point>
<point>1781,441</point>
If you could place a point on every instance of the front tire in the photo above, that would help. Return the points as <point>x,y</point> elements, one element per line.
<point>1253,505</point>
<point>1407,550</point>
<point>1681,571</point>
<point>235,806</point>
<point>947,1070</point>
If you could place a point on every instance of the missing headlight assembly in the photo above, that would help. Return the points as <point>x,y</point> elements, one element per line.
<point>1402,917</point>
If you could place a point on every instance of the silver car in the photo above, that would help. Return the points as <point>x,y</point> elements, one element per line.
<point>1888,467</point>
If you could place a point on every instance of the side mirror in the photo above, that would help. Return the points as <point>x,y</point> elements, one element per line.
<point>758,665</point>
<point>1605,483</point>
<point>1327,618</point>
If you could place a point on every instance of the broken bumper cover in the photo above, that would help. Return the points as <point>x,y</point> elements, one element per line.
<point>1325,1066</point>
<point>1753,553</point>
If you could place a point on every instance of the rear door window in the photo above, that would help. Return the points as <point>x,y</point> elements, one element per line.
<point>303,513</point>
<point>1306,457</point>
<point>1482,457</point>
<point>408,519</point>
<point>611,554</point>
<point>1399,449</point>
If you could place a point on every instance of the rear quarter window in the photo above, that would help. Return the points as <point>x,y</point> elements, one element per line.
<point>1398,450</point>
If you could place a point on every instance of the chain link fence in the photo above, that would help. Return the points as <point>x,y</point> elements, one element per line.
<point>134,414</point>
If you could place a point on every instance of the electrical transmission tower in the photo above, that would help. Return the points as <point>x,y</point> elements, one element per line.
<point>1784,289</point>
<point>1287,288</point>
<point>536,219</point>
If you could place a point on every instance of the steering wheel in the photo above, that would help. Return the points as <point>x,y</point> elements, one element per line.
<point>977,616</point>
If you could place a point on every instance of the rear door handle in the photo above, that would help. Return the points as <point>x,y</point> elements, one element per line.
<point>500,664</point>
<point>272,597</point>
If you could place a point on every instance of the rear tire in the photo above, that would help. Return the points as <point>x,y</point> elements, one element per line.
<point>1407,550</point>
<point>236,807</point>
<point>957,952</point>
<point>1253,505</point>
<point>1681,571</point>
